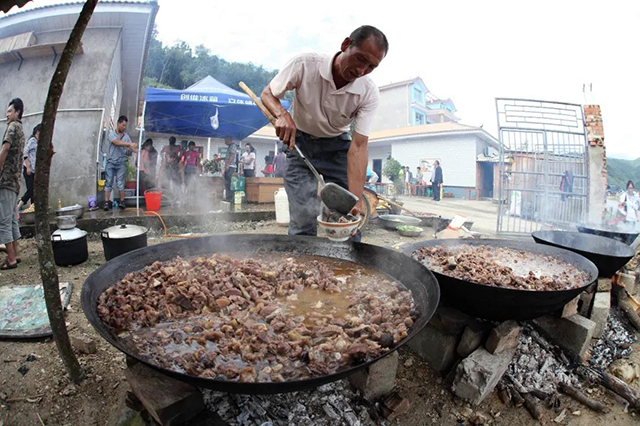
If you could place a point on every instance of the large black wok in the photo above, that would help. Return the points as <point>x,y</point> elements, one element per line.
<point>503,303</point>
<point>409,272</point>
<point>607,254</point>
<point>623,234</point>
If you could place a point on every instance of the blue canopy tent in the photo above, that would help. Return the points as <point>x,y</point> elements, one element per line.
<point>206,109</point>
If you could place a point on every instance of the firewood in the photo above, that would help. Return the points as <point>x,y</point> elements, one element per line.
<point>628,310</point>
<point>517,399</point>
<point>582,398</point>
<point>531,405</point>
<point>614,384</point>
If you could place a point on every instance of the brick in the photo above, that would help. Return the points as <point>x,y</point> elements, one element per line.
<point>571,334</point>
<point>479,373</point>
<point>83,344</point>
<point>600,313</point>
<point>472,338</point>
<point>450,321</point>
<point>435,347</point>
<point>503,337</point>
<point>169,401</point>
<point>604,284</point>
<point>378,379</point>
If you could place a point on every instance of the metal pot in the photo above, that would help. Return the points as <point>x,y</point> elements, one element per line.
<point>66,221</point>
<point>499,303</point>
<point>77,210</point>
<point>410,273</point>
<point>69,246</point>
<point>392,221</point>
<point>120,239</point>
<point>28,218</point>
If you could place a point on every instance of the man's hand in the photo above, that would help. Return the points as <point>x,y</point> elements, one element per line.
<point>286,129</point>
<point>28,171</point>
<point>357,209</point>
<point>133,147</point>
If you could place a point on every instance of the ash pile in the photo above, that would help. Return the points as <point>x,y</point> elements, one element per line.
<point>330,404</point>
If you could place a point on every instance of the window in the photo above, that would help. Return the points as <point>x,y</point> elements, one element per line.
<point>419,118</point>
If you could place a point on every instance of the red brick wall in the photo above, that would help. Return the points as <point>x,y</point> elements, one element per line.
<point>593,121</point>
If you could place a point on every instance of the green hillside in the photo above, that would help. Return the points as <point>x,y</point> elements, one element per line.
<point>620,171</point>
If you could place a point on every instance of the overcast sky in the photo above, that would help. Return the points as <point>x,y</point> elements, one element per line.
<point>470,51</point>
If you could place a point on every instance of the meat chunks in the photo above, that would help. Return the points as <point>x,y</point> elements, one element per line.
<point>241,319</point>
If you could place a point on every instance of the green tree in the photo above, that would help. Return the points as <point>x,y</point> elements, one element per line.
<point>392,169</point>
<point>179,66</point>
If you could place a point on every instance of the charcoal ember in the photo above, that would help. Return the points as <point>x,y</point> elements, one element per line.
<point>535,367</point>
<point>615,342</point>
<point>333,404</point>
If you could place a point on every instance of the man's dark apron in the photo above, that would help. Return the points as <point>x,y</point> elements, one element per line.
<point>329,157</point>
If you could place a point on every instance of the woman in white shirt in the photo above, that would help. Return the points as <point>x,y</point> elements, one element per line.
<point>628,206</point>
<point>248,160</point>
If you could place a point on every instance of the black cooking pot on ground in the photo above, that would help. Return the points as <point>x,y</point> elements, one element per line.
<point>499,303</point>
<point>624,234</point>
<point>410,273</point>
<point>121,239</point>
<point>607,254</point>
<point>69,246</point>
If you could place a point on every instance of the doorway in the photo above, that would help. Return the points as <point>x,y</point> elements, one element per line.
<point>377,167</point>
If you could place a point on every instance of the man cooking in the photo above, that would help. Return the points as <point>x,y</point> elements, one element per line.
<point>330,93</point>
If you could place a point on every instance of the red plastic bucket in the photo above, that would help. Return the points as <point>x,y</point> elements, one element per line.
<point>152,200</point>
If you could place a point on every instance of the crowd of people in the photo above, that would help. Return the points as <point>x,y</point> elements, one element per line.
<point>416,184</point>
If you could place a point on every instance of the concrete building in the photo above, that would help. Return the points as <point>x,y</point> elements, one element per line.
<point>467,155</point>
<point>410,103</point>
<point>104,81</point>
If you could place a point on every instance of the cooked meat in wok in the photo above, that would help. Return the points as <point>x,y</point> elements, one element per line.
<point>502,267</point>
<point>257,320</point>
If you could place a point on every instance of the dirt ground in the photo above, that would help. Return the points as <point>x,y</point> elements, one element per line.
<point>43,395</point>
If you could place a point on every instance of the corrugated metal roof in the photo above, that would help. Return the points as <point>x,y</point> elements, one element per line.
<point>21,3</point>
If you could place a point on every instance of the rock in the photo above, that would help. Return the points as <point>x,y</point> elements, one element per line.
<point>408,362</point>
<point>479,373</point>
<point>450,321</point>
<point>571,334</point>
<point>571,308</point>
<point>435,347</point>
<point>503,337</point>
<point>125,416</point>
<point>604,284</point>
<point>169,401</point>
<point>472,337</point>
<point>378,379</point>
<point>84,344</point>
<point>577,413</point>
<point>69,390</point>
<point>600,312</point>
<point>623,370</point>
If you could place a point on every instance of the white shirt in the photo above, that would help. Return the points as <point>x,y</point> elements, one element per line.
<point>632,206</point>
<point>320,109</point>
<point>249,160</point>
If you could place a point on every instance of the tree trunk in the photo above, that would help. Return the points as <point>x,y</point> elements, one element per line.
<point>41,194</point>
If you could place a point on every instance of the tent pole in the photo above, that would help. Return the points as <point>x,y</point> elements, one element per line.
<point>208,148</point>
<point>141,135</point>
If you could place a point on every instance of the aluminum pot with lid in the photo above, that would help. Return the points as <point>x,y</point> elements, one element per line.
<point>69,246</point>
<point>120,239</point>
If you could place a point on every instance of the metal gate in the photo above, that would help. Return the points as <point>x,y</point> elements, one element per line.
<point>543,165</point>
